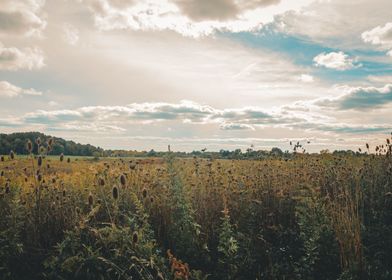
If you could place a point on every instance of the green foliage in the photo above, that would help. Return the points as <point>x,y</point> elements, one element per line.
<point>228,249</point>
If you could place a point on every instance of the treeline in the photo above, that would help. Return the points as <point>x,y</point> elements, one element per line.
<point>17,143</point>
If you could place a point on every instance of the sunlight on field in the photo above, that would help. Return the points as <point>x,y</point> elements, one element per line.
<point>308,217</point>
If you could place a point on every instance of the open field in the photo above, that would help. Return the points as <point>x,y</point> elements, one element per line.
<point>311,217</point>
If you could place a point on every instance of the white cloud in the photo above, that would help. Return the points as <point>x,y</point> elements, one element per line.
<point>380,36</point>
<point>306,78</point>
<point>12,58</point>
<point>335,60</point>
<point>10,90</point>
<point>21,17</point>
<point>190,18</point>
<point>335,23</point>
<point>71,34</point>
<point>359,98</point>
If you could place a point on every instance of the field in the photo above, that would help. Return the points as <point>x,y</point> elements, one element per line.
<point>318,216</point>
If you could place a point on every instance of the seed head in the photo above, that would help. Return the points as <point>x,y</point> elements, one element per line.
<point>68,160</point>
<point>115,193</point>
<point>144,192</point>
<point>90,199</point>
<point>39,161</point>
<point>29,146</point>
<point>135,237</point>
<point>61,157</point>
<point>12,155</point>
<point>38,141</point>
<point>2,158</point>
<point>123,180</point>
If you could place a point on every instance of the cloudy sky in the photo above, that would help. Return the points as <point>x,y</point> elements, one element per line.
<point>142,74</point>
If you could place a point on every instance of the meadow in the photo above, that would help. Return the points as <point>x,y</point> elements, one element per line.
<point>310,216</point>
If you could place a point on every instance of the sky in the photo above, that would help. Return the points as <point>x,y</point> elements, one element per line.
<point>220,74</point>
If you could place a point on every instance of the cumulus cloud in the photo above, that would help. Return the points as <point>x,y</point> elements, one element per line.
<point>22,17</point>
<point>189,17</point>
<point>359,98</point>
<point>335,60</point>
<point>10,90</point>
<point>381,36</point>
<point>12,58</point>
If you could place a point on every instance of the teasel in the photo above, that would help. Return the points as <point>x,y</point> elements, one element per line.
<point>38,141</point>
<point>12,155</point>
<point>144,193</point>
<point>50,142</point>
<point>90,199</point>
<point>7,187</point>
<point>61,157</point>
<point>123,180</point>
<point>101,182</point>
<point>135,237</point>
<point>39,161</point>
<point>115,193</point>
<point>68,160</point>
<point>39,177</point>
<point>2,158</point>
<point>29,146</point>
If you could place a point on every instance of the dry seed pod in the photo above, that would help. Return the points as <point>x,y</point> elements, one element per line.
<point>29,146</point>
<point>12,155</point>
<point>123,180</point>
<point>115,193</point>
<point>90,199</point>
<point>135,237</point>
<point>39,161</point>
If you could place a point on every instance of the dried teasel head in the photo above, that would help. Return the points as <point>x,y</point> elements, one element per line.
<point>101,182</point>
<point>68,160</point>
<point>50,142</point>
<point>135,237</point>
<point>123,180</point>
<point>29,146</point>
<point>144,193</point>
<point>115,193</point>
<point>39,161</point>
<point>38,141</point>
<point>12,154</point>
<point>2,158</point>
<point>90,199</point>
<point>61,157</point>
